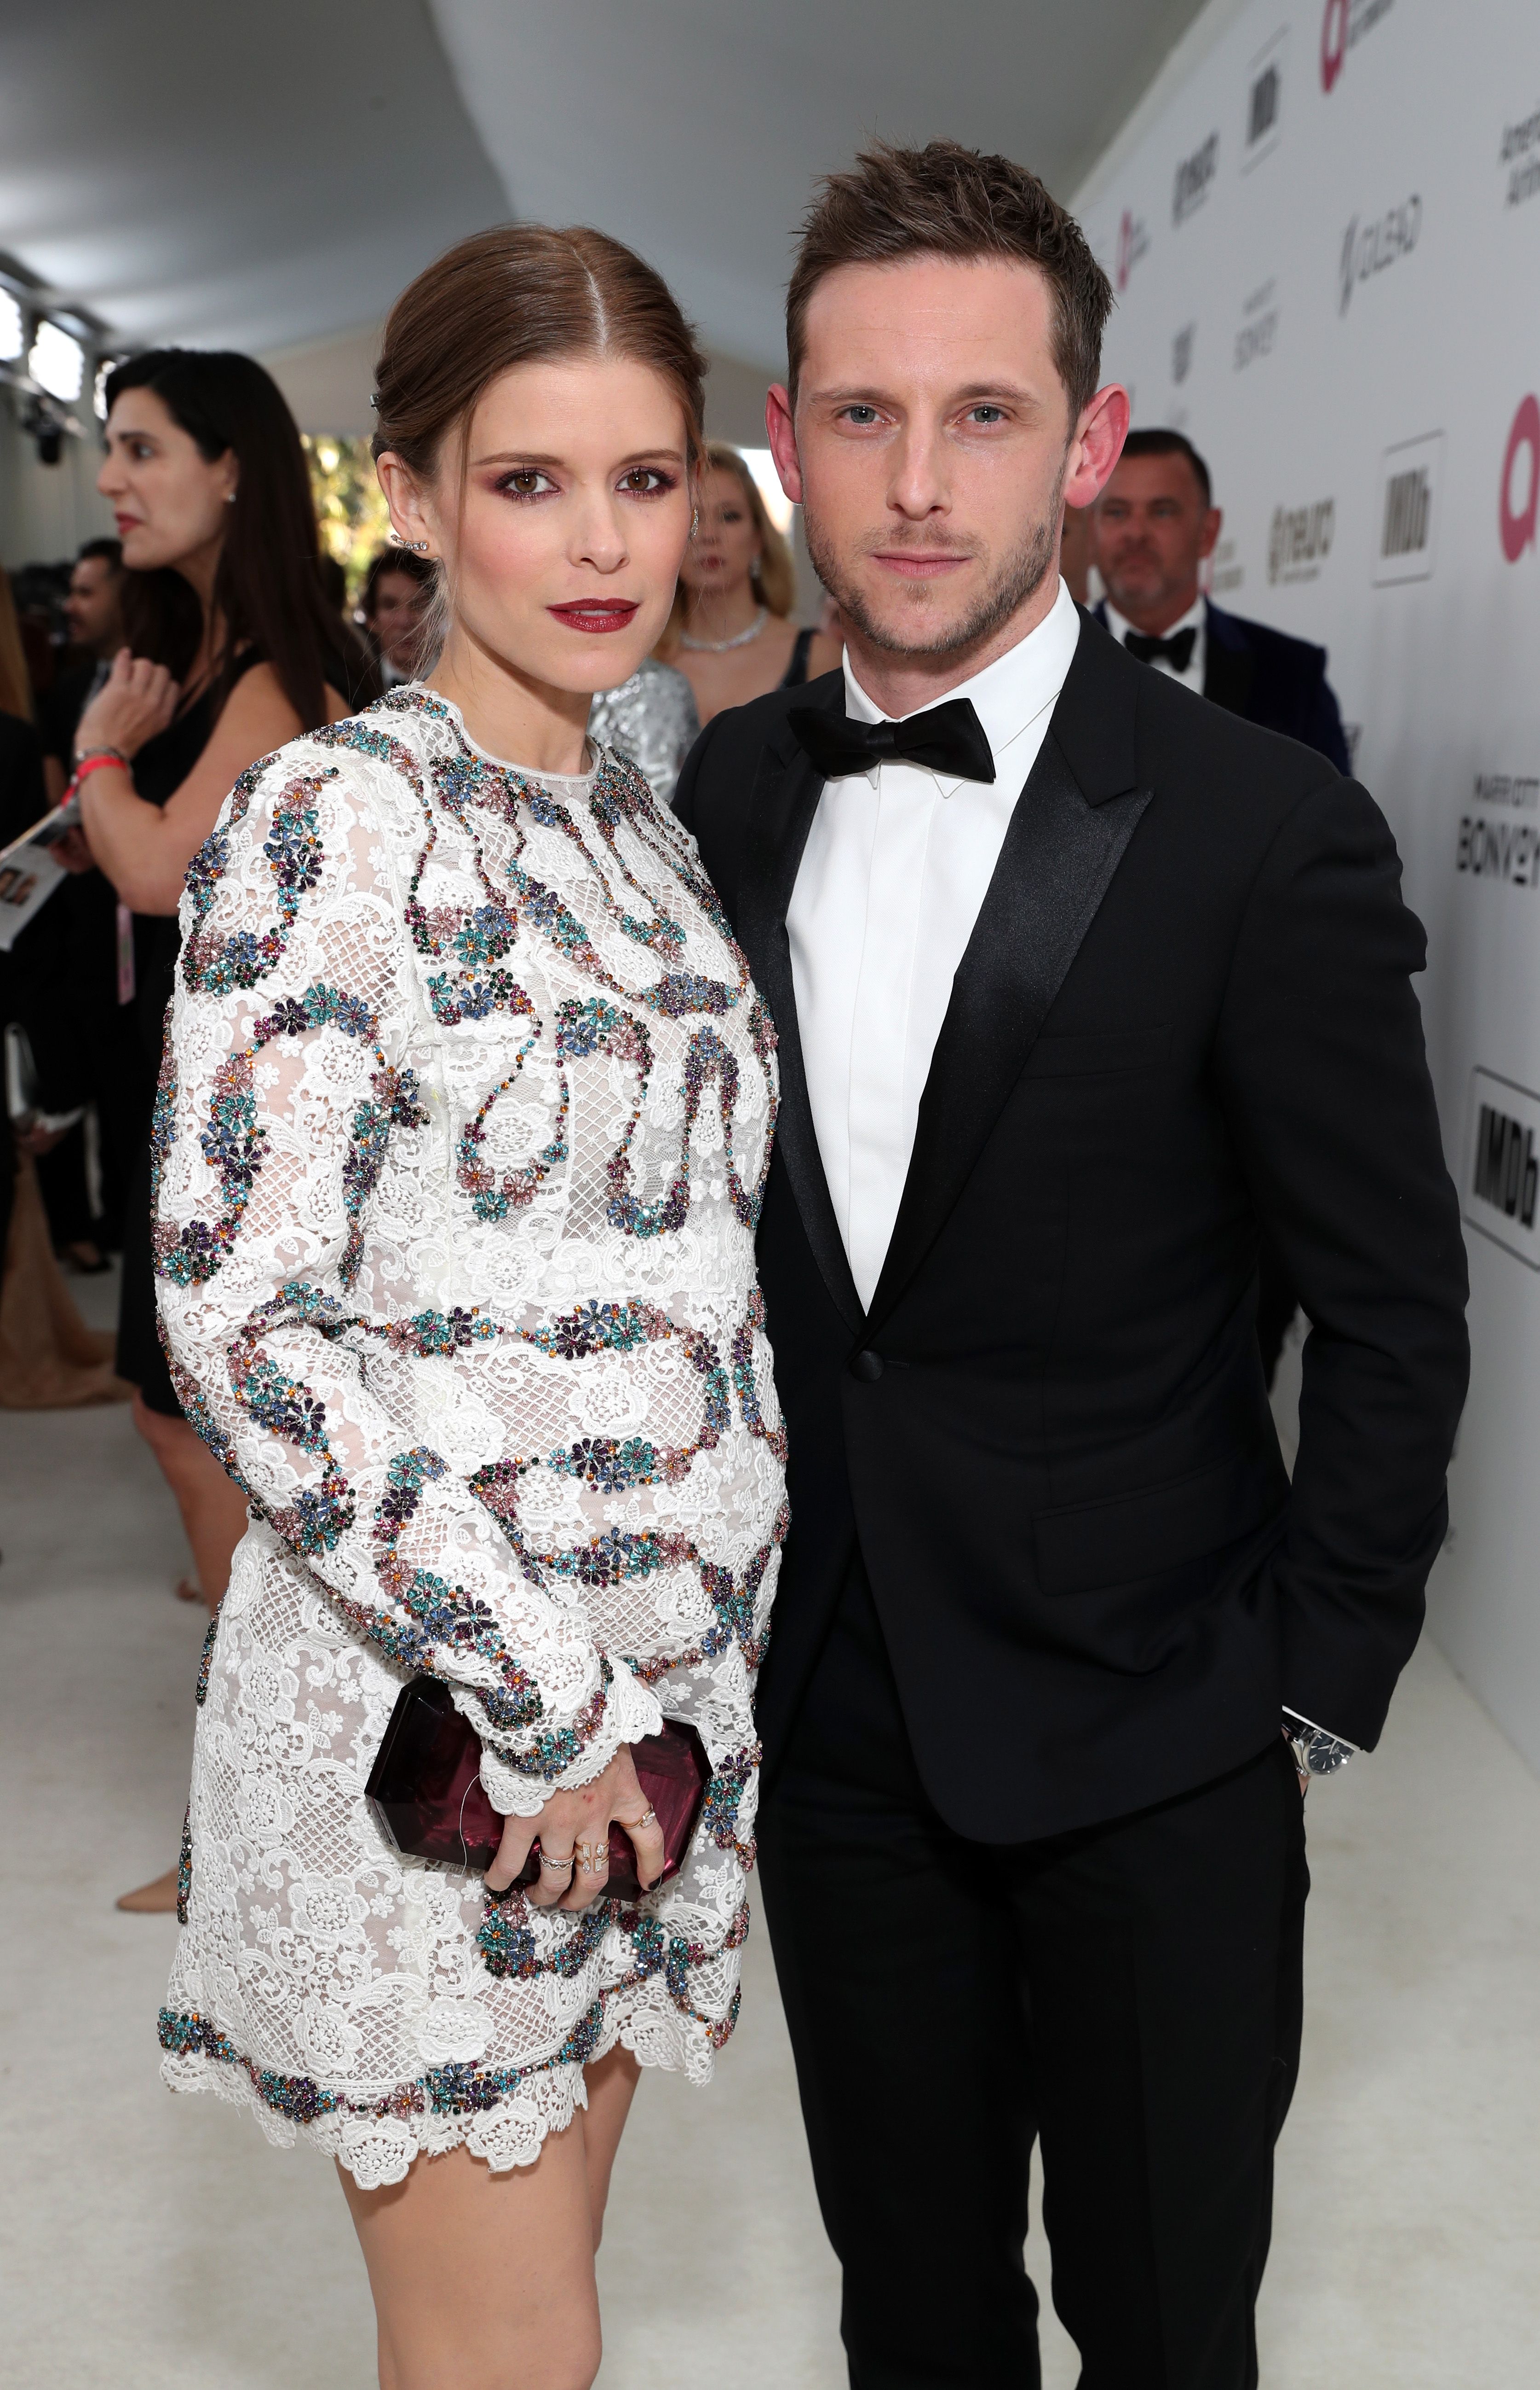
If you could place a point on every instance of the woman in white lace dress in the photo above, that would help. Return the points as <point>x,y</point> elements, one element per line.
<point>460,1147</point>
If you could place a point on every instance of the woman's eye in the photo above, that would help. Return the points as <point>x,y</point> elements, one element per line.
<point>646,481</point>
<point>525,482</point>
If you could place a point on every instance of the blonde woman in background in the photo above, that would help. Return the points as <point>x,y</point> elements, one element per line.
<point>730,633</point>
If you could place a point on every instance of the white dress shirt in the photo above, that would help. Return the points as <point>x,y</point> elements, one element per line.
<point>890,885</point>
<point>1195,618</point>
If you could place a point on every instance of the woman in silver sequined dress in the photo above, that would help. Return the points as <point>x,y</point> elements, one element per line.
<point>651,720</point>
<point>459,1155</point>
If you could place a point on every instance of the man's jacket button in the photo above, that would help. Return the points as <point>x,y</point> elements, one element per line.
<point>868,1365</point>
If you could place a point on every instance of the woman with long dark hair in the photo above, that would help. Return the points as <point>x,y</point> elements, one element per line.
<point>232,650</point>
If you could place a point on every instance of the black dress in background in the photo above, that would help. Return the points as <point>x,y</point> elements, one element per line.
<point>160,768</point>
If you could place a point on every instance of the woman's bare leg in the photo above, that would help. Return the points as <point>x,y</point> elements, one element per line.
<point>213,1514</point>
<point>483,2280</point>
<point>212,1506</point>
<point>610,2085</point>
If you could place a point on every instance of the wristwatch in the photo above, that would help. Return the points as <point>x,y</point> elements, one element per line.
<point>1315,1752</point>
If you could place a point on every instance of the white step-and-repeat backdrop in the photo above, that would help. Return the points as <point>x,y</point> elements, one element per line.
<point>1327,254</point>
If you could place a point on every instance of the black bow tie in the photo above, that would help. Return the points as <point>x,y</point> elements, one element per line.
<point>1177,649</point>
<point>948,738</point>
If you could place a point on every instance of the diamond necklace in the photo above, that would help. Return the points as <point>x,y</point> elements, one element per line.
<point>720,647</point>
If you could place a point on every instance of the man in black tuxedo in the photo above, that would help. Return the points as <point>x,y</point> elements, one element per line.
<point>1152,527</point>
<point>1080,982</point>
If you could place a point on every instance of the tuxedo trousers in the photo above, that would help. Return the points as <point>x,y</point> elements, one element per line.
<point>1128,1994</point>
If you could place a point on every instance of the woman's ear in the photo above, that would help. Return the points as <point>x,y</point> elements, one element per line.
<point>409,517</point>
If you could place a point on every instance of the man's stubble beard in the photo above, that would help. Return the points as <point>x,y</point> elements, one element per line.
<point>1019,578</point>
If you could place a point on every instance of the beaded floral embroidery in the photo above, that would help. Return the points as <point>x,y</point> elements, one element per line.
<point>459,1148</point>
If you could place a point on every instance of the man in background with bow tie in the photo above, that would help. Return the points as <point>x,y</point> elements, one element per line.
<point>1153,529</point>
<point>1081,983</point>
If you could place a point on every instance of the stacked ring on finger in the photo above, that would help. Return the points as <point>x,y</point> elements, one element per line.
<point>558,1866</point>
<point>636,1825</point>
<point>593,1858</point>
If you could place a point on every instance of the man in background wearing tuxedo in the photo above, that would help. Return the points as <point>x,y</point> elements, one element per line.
<point>1078,983</point>
<point>1152,527</point>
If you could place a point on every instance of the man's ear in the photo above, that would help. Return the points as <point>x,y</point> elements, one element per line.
<point>1096,445</point>
<point>781,433</point>
<point>1212,523</point>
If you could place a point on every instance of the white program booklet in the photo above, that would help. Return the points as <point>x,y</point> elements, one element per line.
<point>29,871</point>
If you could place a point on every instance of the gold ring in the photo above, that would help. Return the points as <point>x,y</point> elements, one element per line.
<point>558,1866</point>
<point>634,1825</point>
<point>593,1858</point>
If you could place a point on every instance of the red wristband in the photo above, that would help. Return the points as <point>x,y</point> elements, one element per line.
<point>98,761</point>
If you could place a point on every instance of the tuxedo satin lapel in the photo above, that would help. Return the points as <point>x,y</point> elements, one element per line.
<point>784,800</point>
<point>1056,866</point>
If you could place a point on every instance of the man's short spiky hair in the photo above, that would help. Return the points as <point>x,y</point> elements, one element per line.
<point>944,200</point>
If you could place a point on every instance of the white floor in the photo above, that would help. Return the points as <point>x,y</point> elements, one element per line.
<point>159,2245</point>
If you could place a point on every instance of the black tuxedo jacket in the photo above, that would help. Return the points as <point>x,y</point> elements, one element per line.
<point>1268,678</point>
<point>1185,1009</point>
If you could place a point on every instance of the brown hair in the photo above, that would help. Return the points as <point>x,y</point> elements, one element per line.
<point>16,688</point>
<point>775,576</point>
<point>1161,443</point>
<point>517,295</point>
<point>944,200</point>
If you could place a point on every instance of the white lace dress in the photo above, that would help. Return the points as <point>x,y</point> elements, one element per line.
<point>464,1118</point>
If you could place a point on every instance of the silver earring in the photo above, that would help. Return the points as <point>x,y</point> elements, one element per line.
<point>695,523</point>
<point>418,546</point>
<point>229,497</point>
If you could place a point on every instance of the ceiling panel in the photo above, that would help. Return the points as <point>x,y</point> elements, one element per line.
<point>264,176</point>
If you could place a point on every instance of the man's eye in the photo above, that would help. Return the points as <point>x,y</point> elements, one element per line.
<point>987,414</point>
<point>861,414</point>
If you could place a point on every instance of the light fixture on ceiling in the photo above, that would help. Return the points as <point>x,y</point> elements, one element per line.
<point>58,361</point>
<point>13,330</point>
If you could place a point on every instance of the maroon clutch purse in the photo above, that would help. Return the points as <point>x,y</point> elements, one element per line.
<point>425,1789</point>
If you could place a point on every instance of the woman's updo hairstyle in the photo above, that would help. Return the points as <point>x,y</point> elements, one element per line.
<point>518,295</point>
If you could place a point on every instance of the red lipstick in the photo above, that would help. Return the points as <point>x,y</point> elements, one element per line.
<point>595,613</point>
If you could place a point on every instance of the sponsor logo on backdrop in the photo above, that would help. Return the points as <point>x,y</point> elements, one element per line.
<point>1501,1193</point>
<point>1133,242</point>
<point>1194,176</point>
<point>1181,353</point>
<point>1259,326</point>
<point>1519,153</point>
<point>1300,540</point>
<point>1410,475</point>
<point>1227,572</point>
<point>1368,248</point>
<point>1518,499</point>
<point>1343,25</point>
<point>1264,103</point>
<point>1493,844</point>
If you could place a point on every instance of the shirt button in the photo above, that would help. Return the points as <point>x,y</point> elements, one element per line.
<point>866,1366</point>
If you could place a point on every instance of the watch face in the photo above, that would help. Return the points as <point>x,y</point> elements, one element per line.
<point>1324,1755</point>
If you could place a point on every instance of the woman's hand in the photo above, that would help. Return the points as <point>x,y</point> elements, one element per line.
<point>573,1833</point>
<point>134,703</point>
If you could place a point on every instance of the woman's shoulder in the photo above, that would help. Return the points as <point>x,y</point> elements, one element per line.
<point>377,758</point>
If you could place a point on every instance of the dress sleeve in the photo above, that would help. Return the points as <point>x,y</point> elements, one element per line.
<point>286,1087</point>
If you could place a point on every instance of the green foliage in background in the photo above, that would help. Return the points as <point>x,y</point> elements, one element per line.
<point>349,504</point>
